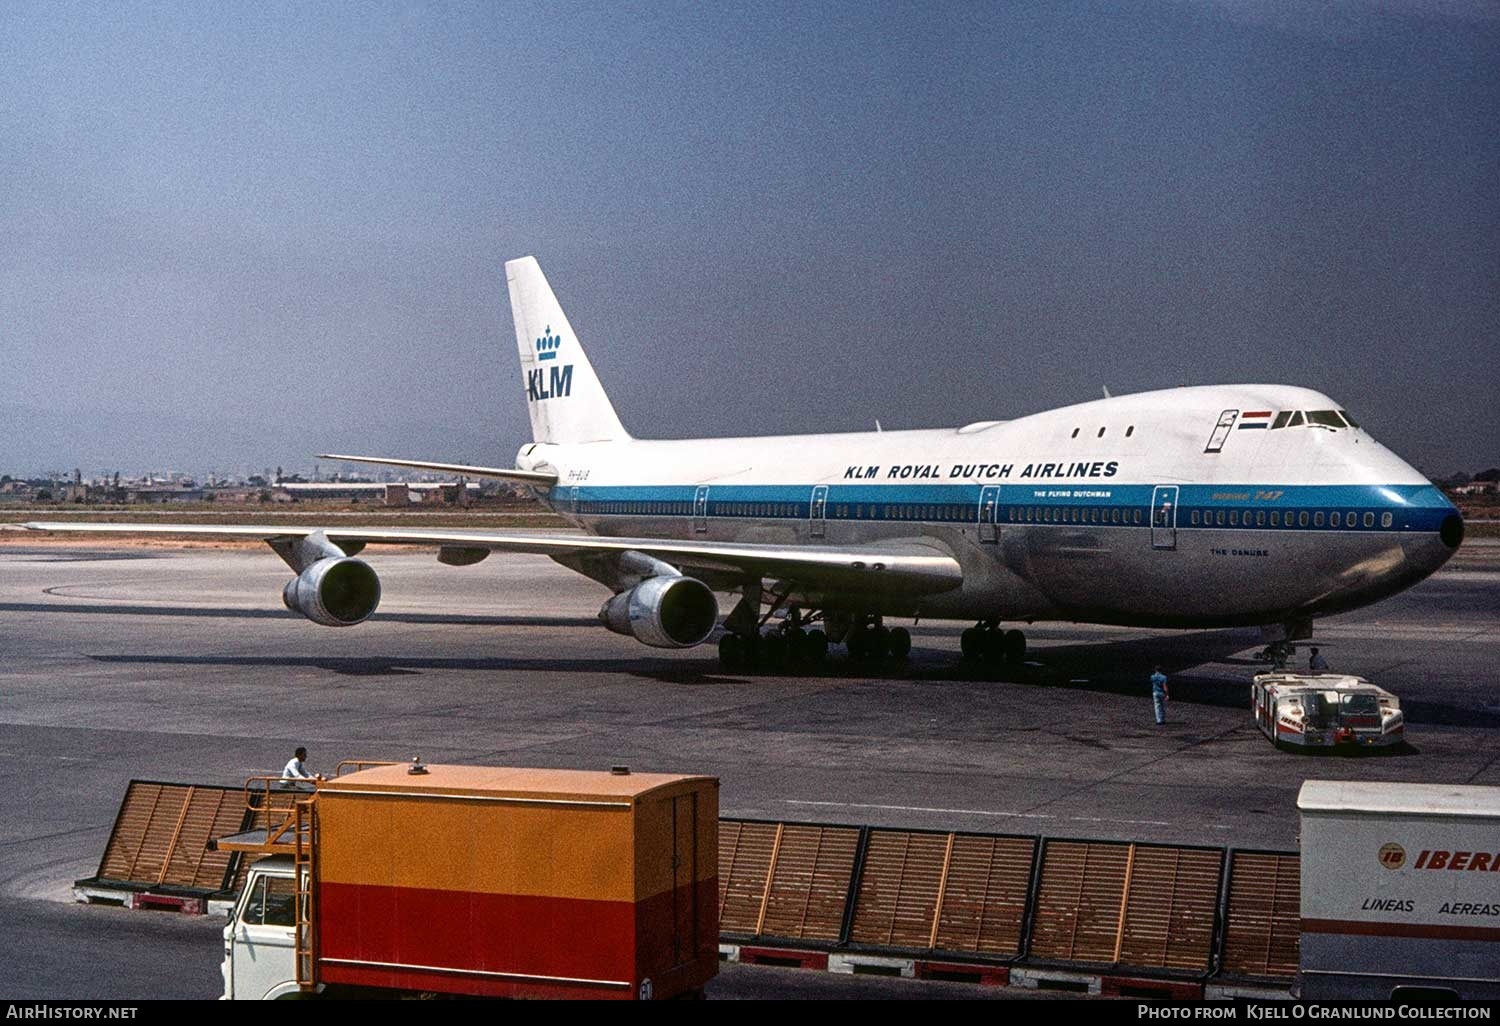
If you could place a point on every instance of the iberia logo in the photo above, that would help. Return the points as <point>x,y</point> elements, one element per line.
<point>547,345</point>
<point>1392,856</point>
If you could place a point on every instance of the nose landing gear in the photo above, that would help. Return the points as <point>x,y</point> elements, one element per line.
<point>986,642</point>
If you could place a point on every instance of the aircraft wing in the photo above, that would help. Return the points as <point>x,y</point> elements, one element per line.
<point>906,568</point>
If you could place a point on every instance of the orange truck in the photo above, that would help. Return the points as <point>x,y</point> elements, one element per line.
<point>401,879</point>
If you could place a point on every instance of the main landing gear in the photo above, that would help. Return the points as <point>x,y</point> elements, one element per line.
<point>789,645</point>
<point>795,644</point>
<point>985,642</point>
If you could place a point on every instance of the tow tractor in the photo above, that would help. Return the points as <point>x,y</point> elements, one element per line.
<point>1325,710</point>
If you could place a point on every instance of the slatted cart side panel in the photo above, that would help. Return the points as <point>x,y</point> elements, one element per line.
<point>1077,916</point>
<point>984,902</point>
<point>212,812</point>
<point>810,882</point>
<point>1170,911</point>
<point>744,859</point>
<point>1263,920</point>
<point>898,889</point>
<point>138,846</point>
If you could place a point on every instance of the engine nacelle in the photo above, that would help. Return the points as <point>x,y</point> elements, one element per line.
<point>334,592</point>
<point>664,612</point>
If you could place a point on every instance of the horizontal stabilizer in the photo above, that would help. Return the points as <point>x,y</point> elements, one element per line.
<point>535,477</point>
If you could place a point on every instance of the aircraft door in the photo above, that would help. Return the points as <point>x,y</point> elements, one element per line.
<point>700,510</point>
<point>989,514</point>
<point>1221,430</point>
<point>817,511</point>
<point>1164,517</point>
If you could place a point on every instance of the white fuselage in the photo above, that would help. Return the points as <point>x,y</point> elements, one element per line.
<point>1183,507</point>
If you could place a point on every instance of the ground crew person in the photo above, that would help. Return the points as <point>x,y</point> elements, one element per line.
<point>294,770</point>
<point>1316,663</point>
<point>1159,695</point>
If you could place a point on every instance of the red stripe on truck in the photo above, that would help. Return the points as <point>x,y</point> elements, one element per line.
<point>473,942</point>
<point>1428,931</point>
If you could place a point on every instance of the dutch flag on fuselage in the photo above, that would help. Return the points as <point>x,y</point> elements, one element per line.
<point>1255,419</point>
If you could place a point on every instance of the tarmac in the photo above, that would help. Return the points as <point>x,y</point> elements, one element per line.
<point>182,665</point>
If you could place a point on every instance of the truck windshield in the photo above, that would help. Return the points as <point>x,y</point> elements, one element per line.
<point>1361,705</point>
<point>273,902</point>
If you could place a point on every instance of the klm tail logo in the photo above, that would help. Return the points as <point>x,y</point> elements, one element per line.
<point>547,345</point>
<point>549,382</point>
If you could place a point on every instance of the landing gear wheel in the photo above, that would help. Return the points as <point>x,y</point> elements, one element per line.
<point>731,652</point>
<point>815,647</point>
<point>1014,647</point>
<point>992,646</point>
<point>971,643</point>
<point>898,642</point>
<point>773,651</point>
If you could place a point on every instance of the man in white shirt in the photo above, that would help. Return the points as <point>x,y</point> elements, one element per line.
<point>294,770</point>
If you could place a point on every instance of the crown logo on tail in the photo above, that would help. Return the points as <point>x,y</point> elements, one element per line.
<point>547,345</point>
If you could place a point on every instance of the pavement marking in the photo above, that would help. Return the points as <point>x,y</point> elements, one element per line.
<point>978,812</point>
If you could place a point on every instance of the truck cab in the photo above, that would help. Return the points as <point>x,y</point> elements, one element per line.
<point>260,940</point>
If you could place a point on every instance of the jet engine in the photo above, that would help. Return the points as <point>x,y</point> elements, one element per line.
<point>664,612</point>
<point>335,592</point>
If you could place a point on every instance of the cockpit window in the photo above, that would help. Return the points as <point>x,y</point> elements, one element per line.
<point>1296,420</point>
<point>1281,419</point>
<point>1348,419</point>
<point>1327,418</point>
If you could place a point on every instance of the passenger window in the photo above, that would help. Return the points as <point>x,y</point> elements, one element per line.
<point>1195,518</point>
<point>1351,519</point>
<point>1234,518</point>
<point>1318,519</point>
<point>1260,518</point>
<point>1137,516</point>
<point>1094,516</point>
<point>1218,518</point>
<point>1114,516</point>
<point>1337,520</point>
<point>1275,518</point>
<point>1302,519</point>
<point>1385,519</point>
<point>1281,419</point>
<point>1370,520</point>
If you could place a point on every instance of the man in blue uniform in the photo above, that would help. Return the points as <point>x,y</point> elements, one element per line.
<point>1159,695</point>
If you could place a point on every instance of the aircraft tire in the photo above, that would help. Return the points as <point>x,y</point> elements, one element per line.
<point>992,646</point>
<point>731,652</point>
<point>971,642</point>
<point>898,642</point>
<point>815,647</point>
<point>1014,647</point>
<point>773,651</point>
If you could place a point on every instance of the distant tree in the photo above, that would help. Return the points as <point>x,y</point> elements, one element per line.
<point>44,495</point>
<point>1493,474</point>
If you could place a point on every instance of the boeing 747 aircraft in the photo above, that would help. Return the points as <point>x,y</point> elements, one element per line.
<point>1200,507</point>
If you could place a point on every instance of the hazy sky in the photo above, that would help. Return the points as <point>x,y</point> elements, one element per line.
<point>234,235</point>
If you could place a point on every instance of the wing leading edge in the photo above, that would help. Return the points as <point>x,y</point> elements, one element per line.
<point>899,568</point>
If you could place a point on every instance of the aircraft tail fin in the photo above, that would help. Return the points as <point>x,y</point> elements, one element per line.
<point>563,394</point>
